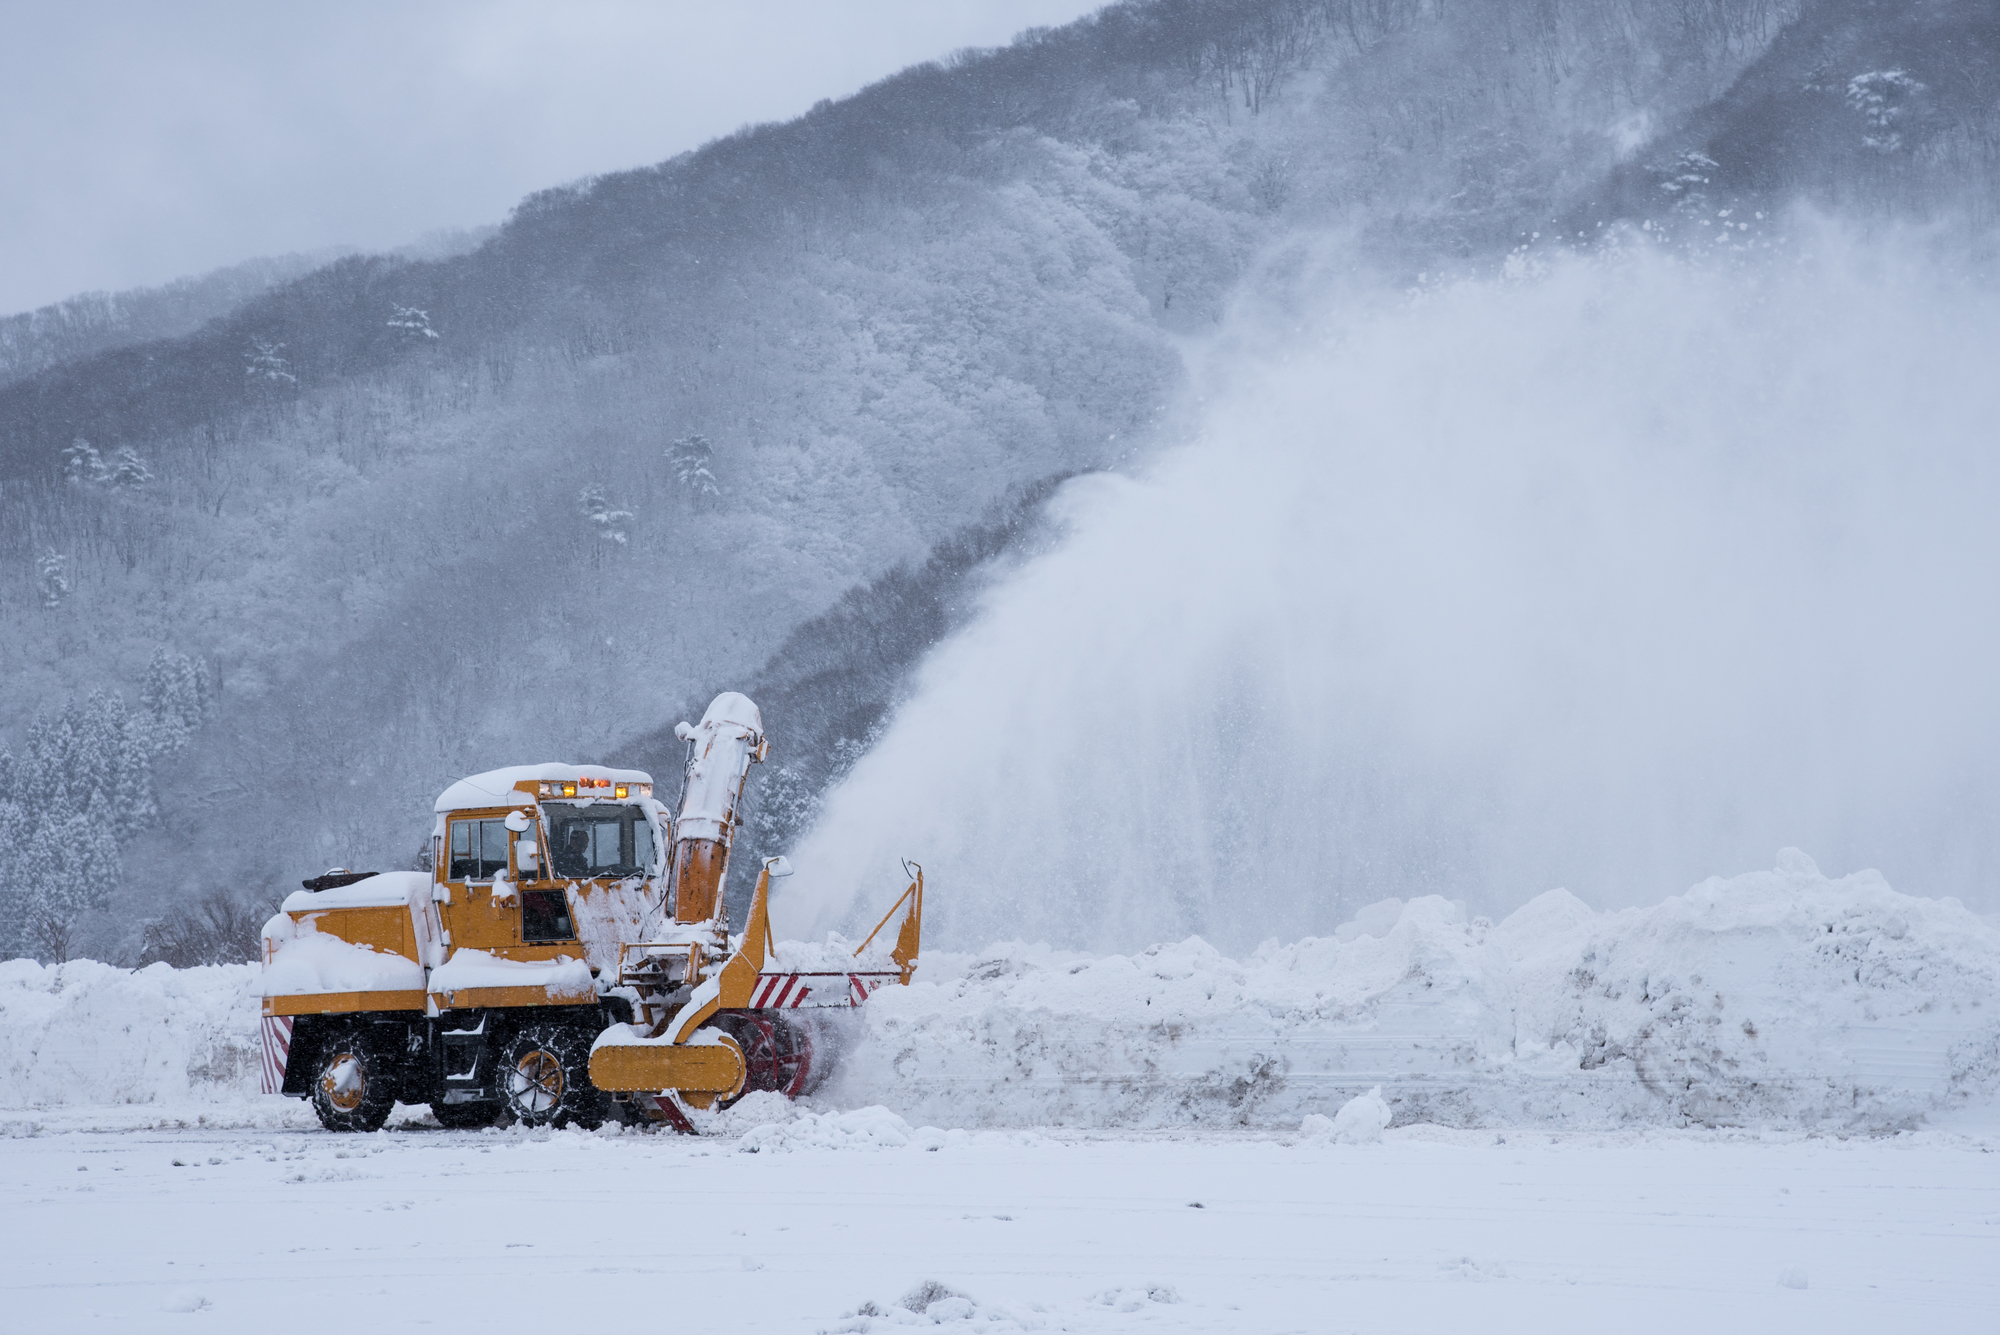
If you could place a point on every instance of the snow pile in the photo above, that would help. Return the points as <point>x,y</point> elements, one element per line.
<point>836,954</point>
<point>1360,1121</point>
<point>864,1128</point>
<point>89,1033</point>
<point>1779,997</point>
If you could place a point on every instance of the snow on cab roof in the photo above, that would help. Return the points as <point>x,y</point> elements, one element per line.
<point>495,788</point>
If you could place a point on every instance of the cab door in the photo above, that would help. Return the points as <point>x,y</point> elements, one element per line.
<point>475,849</point>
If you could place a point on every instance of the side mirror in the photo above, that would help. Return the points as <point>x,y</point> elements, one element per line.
<point>527,857</point>
<point>518,820</point>
<point>778,866</point>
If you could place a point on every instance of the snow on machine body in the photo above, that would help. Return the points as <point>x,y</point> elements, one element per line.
<point>567,958</point>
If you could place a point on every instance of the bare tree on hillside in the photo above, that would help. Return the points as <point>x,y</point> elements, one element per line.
<point>218,928</point>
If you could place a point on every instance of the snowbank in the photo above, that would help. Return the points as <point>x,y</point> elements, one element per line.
<point>1779,998</point>
<point>89,1033</point>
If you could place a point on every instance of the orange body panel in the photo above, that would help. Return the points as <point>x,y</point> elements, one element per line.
<point>385,928</point>
<point>472,998</point>
<point>344,1003</point>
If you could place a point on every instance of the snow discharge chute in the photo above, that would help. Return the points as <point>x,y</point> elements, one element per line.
<point>722,748</point>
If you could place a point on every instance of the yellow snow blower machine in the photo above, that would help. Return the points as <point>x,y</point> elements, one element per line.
<point>567,959</point>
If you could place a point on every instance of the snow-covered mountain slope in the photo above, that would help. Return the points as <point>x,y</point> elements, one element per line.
<point>420,516</point>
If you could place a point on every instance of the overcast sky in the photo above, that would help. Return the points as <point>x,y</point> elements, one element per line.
<point>146,140</point>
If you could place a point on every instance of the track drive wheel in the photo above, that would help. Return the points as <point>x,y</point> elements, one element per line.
<point>777,1051</point>
<point>352,1089</point>
<point>544,1078</point>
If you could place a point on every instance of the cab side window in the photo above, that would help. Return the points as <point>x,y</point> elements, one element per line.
<point>545,916</point>
<point>478,850</point>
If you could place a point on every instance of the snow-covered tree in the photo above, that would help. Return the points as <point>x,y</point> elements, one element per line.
<point>13,885</point>
<point>265,366</point>
<point>119,757</point>
<point>1883,99</point>
<point>127,469</point>
<point>691,458</point>
<point>83,782</point>
<point>412,322</point>
<point>175,698</point>
<point>609,522</point>
<point>70,867</point>
<point>83,464</point>
<point>52,577</point>
<point>45,767</point>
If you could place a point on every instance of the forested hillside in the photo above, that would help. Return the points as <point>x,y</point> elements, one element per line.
<point>762,414</point>
<point>93,322</point>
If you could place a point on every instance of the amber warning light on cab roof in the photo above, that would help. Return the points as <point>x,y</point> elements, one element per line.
<point>590,787</point>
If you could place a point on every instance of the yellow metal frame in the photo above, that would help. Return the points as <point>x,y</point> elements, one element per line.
<point>910,936</point>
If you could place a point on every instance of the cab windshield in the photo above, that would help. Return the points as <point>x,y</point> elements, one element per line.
<point>598,839</point>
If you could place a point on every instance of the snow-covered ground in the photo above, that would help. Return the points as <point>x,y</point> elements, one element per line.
<point>1428,1230</point>
<point>1771,1100</point>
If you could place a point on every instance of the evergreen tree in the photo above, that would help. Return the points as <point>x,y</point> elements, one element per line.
<point>50,744</point>
<point>265,367</point>
<point>14,820</point>
<point>691,458</point>
<point>175,698</point>
<point>82,462</point>
<point>598,510</point>
<point>98,728</point>
<point>132,778</point>
<point>127,469</point>
<point>415,324</point>
<point>70,866</point>
<point>52,576</point>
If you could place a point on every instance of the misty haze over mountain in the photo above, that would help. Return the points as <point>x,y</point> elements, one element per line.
<point>1199,469</point>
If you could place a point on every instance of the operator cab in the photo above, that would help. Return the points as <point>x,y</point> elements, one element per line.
<point>588,840</point>
<point>526,842</point>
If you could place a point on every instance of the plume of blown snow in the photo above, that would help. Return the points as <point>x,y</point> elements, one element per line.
<point>1608,573</point>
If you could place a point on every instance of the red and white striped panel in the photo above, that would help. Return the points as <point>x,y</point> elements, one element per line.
<point>790,991</point>
<point>277,1051</point>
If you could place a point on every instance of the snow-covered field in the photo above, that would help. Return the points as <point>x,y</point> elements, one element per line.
<point>1428,1230</point>
<point>1769,1102</point>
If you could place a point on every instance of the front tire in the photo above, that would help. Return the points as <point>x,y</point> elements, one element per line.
<point>352,1089</point>
<point>544,1079</point>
